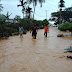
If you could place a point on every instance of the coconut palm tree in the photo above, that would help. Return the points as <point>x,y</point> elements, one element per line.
<point>7,16</point>
<point>17,18</point>
<point>28,12</point>
<point>35,3</point>
<point>23,5</point>
<point>61,5</point>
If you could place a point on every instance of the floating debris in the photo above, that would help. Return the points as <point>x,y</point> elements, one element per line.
<point>69,57</point>
<point>64,35</point>
<point>69,49</point>
<point>60,35</point>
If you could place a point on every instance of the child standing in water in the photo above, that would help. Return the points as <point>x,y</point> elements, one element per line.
<point>21,31</point>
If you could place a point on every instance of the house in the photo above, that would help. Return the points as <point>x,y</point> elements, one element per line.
<point>12,21</point>
<point>70,19</point>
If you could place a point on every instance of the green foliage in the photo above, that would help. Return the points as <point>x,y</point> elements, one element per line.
<point>35,2</point>
<point>61,4</point>
<point>17,18</point>
<point>28,23</point>
<point>45,22</point>
<point>7,30</point>
<point>66,14</point>
<point>67,26</point>
<point>55,14</point>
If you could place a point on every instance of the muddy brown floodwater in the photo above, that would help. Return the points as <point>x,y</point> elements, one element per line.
<point>40,55</point>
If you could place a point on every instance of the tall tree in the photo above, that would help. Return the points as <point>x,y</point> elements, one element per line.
<point>28,12</point>
<point>8,15</point>
<point>23,4</point>
<point>66,14</point>
<point>61,5</point>
<point>35,3</point>
<point>17,18</point>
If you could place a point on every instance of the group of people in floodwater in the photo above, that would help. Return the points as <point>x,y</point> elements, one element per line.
<point>34,31</point>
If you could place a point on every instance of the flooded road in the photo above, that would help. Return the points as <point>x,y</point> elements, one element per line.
<point>40,55</point>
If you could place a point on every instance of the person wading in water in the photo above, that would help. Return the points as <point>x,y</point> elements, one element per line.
<point>21,31</point>
<point>46,29</point>
<point>34,31</point>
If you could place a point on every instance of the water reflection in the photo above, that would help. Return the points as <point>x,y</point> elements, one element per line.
<point>21,39</point>
<point>34,41</point>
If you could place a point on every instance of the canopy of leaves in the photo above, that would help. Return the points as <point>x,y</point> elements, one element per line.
<point>8,29</point>
<point>17,18</point>
<point>61,3</point>
<point>66,14</point>
<point>67,26</point>
<point>35,2</point>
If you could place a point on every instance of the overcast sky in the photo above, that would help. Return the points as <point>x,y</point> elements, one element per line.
<point>40,13</point>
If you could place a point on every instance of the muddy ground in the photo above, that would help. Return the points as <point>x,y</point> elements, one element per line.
<point>36,55</point>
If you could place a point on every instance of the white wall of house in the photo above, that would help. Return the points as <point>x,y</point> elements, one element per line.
<point>12,21</point>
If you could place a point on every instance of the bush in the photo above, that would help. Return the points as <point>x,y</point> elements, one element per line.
<point>7,29</point>
<point>67,26</point>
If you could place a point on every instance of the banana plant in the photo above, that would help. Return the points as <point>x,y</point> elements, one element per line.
<point>23,5</point>
<point>7,16</point>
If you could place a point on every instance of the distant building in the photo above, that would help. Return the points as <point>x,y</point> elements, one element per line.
<point>70,19</point>
<point>12,21</point>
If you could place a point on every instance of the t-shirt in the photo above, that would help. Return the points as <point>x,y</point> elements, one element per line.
<point>20,29</point>
<point>34,28</point>
<point>46,29</point>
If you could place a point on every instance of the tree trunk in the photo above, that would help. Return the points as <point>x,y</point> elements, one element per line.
<point>60,17</point>
<point>23,14</point>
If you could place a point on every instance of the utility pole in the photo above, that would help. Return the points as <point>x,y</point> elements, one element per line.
<point>46,14</point>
